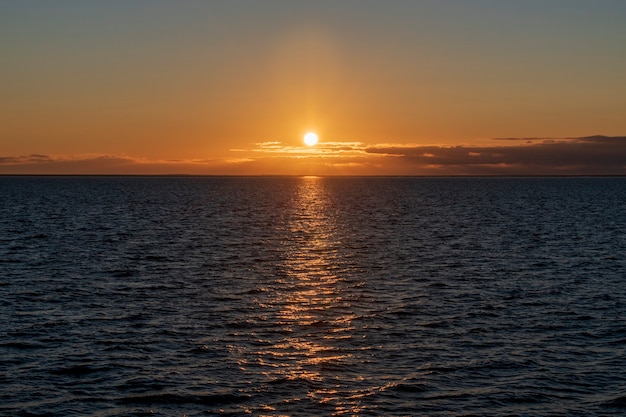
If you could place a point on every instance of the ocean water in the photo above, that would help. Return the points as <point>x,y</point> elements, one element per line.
<point>182,296</point>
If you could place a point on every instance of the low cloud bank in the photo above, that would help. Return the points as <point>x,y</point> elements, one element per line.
<point>592,155</point>
<point>103,165</point>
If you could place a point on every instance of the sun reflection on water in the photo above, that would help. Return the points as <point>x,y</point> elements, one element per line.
<point>307,304</point>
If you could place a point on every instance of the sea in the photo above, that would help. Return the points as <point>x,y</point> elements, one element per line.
<point>312,296</point>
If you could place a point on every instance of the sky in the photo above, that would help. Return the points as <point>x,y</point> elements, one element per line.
<point>442,87</point>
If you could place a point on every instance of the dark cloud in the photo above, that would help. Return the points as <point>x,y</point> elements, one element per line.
<point>39,157</point>
<point>524,139</point>
<point>106,164</point>
<point>34,158</point>
<point>586,155</point>
<point>45,164</point>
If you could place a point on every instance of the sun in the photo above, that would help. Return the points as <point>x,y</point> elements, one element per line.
<point>310,139</point>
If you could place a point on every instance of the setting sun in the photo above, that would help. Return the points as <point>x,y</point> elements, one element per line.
<point>310,139</point>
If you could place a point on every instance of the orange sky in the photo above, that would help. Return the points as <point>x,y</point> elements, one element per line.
<point>216,88</point>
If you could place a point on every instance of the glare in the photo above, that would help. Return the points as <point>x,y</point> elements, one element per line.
<point>310,139</point>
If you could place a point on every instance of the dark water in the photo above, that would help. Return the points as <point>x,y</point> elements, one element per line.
<point>312,296</point>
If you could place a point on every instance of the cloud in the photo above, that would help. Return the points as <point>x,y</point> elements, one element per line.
<point>321,150</point>
<point>103,165</point>
<point>592,155</point>
<point>43,161</point>
<point>34,158</point>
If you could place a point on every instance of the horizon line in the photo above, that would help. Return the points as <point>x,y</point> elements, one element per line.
<point>321,175</point>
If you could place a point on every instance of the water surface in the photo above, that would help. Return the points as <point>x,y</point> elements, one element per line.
<point>133,296</point>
